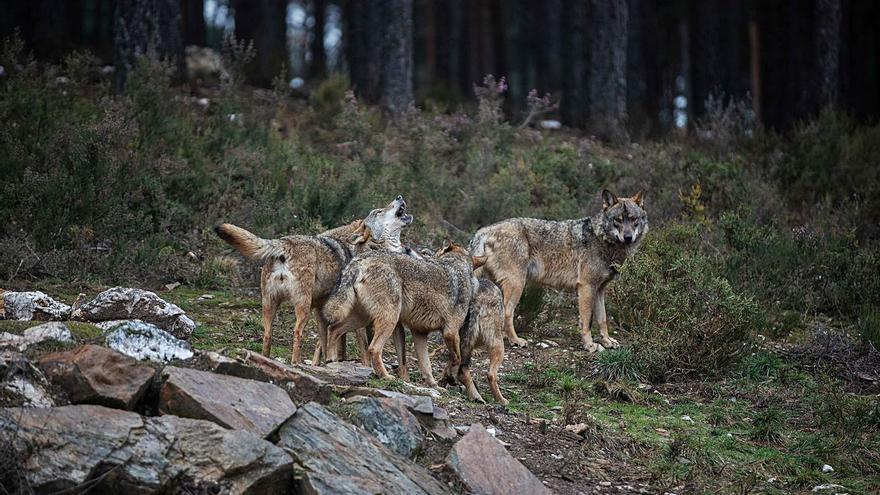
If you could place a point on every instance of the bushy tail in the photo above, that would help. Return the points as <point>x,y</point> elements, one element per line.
<point>343,298</point>
<point>246,243</point>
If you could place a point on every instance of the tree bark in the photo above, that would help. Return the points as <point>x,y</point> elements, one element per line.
<point>264,23</point>
<point>397,58</point>
<point>827,46</point>
<point>146,28</point>
<point>364,41</point>
<point>574,84</point>
<point>707,66</point>
<point>607,70</point>
<point>193,22</point>
<point>318,65</point>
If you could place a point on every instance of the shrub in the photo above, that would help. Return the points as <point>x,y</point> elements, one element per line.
<point>619,364</point>
<point>767,425</point>
<point>763,365</point>
<point>683,317</point>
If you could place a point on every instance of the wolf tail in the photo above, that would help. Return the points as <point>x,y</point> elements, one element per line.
<point>343,298</point>
<point>248,244</point>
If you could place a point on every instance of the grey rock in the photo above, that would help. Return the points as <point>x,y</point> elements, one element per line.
<point>92,374</point>
<point>485,466</point>
<point>21,382</point>
<point>52,330</point>
<point>257,407</point>
<point>391,423</point>
<point>142,340</point>
<point>340,458</point>
<point>121,303</point>
<point>340,373</point>
<point>121,452</point>
<point>33,305</point>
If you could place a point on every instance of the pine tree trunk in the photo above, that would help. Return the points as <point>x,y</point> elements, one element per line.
<point>606,94</point>
<point>397,58</point>
<point>193,22</point>
<point>827,71</point>
<point>707,70</point>
<point>574,83</point>
<point>318,65</point>
<point>265,23</point>
<point>146,28</point>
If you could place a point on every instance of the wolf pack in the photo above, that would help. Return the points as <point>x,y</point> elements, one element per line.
<point>362,278</point>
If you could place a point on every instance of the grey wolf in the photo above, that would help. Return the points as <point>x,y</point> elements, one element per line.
<point>581,255</point>
<point>483,327</point>
<point>303,269</point>
<point>426,295</point>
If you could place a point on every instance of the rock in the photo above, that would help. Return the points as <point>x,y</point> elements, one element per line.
<point>339,458</point>
<point>47,331</point>
<point>828,487</point>
<point>145,341</point>
<point>120,303</point>
<point>92,374</point>
<point>121,452</point>
<point>485,466</point>
<point>340,373</point>
<point>306,386</point>
<point>257,407</point>
<point>391,423</point>
<point>21,383</point>
<point>577,429</point>
<point>827,468</point>
<point>34,305</point>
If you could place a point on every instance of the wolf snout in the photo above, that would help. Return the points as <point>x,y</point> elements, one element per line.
<point>628,239</point>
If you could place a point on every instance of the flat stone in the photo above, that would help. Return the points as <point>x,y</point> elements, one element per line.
<point>340,458</point>
<point>52,330</point>
<point>121,452</point>
<point>391,423</point>
<point>232,402</point>
<point>33,305</point>
<point>92,374</point>
<point>122,303</point>
<point>485,466</point>
<point>142,340</point>
<point>340,373</point>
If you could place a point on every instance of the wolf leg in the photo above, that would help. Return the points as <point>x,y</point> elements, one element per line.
<point>420,342</point>
<point>586,294</point>
<point>302,317</point>
<point>270,307</point>
<point>496,356</point>
<point>363,341</point>
<point>464,375</point>
<point>511,292</point>
<point>400,347</point>
<point>383,329</point>
<point>453,344</point>
<point>599,309</point>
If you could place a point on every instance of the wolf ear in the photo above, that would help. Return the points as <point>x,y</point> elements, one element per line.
<point>608,199</point>
<point>638,198</point>
<point>478,261</point>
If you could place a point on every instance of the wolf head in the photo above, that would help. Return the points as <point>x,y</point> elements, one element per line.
<point>624,220</point>
<point>385,224</point>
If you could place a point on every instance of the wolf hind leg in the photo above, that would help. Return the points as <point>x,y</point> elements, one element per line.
<point>512,290</point>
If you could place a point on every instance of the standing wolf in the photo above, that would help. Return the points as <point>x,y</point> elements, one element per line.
<point>580,255</point>
<point>382,289</point>
<point>303,269</point>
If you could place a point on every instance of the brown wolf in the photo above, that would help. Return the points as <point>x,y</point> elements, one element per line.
<point>580,255</point>
<point>483,327</point>
<point>303,269</point>
<point>384,289</point>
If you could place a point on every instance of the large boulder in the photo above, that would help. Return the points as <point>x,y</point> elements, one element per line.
<point>486,468</point>
<point>92,374</point>
<point>390,421</point>
<point>52,330</point>
<point>22,383</point>
<point>121,303</point>
<point>113,451</point>
<point>33,305</point>
<point>142,340</point>
<point>256,407</point>
<point>340,458</point>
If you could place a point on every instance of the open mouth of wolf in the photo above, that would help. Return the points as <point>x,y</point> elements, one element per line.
<point>402,214</point>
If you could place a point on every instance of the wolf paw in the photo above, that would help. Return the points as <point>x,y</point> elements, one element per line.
<point>519,342</point>
<point>592,347</point>
<point>478,398</point>
<point>609,343</point>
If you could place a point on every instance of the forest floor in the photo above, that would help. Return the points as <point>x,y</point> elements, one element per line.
<point>682,437</point>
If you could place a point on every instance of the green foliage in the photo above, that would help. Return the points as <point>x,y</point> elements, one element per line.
<point>763,365</point>
<point>767,425</point>
<point>684,317</point>
<point>619,364</point>
<point>868,326</point>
